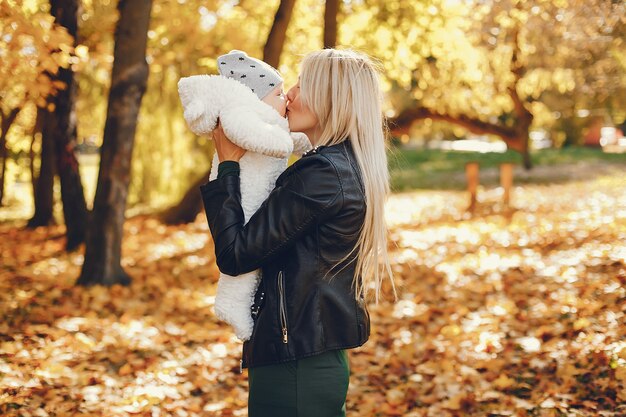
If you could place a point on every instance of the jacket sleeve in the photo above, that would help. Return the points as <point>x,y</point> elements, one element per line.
<point>308,195</point>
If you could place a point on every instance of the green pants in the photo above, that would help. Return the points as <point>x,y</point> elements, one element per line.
<point>314,386</point>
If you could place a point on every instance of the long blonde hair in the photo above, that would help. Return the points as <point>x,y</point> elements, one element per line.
<point>342,88</point>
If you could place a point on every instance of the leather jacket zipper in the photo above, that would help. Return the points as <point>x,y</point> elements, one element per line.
<point>282,305</point>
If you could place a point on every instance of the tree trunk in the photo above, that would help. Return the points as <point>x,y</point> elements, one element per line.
<point>330,23</point>
<point>524,121</point>
<point>128,84</point>
<point>526,161</point>
<point>523,127</point>
<point>188,208</point>
<point>72,194</point>
<point>3,155</point>
<point>276,38</point>
<point>37,128</point>
<point>5,124</point>
<point>43,192</point>
<point>524,116</point>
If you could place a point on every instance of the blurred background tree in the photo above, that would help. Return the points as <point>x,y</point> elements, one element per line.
<point>59,130</point>
<point>489,66</point>
<point>32,49</point>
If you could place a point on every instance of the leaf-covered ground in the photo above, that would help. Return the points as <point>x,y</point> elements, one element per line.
<point>512,312</point>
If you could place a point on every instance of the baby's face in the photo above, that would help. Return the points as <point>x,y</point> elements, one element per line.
<point>276,98</point>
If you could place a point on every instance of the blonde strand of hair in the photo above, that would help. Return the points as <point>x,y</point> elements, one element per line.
<point>351,108</point>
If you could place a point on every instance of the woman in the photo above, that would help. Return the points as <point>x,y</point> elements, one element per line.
<point>319,239</point>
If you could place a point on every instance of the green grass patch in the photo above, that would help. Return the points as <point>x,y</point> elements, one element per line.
<point>440,169</point>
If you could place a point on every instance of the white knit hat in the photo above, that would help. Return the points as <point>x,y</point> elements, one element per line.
<point>259,76</point>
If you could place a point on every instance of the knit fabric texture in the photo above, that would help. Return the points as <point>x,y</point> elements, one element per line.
<point>259,76</point>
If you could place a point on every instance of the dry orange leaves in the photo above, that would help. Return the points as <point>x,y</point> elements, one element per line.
<point>515,312</point>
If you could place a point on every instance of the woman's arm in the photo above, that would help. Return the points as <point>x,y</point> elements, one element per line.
<point>308,195</point>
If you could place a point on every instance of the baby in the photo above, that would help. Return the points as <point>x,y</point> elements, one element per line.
<point>248,99</point>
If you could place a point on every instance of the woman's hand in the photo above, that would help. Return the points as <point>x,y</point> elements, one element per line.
<point>226,150</point>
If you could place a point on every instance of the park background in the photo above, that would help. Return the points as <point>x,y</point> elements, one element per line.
<point>506,307</point>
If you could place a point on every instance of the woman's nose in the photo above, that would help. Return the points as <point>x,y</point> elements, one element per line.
<point>290,94</point>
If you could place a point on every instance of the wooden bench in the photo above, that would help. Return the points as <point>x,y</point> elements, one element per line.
<point>472,175</point>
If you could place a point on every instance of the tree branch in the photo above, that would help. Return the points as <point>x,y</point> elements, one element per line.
<point>403,121</point>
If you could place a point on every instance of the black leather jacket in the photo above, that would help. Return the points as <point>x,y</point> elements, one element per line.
<point>309,222</point>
